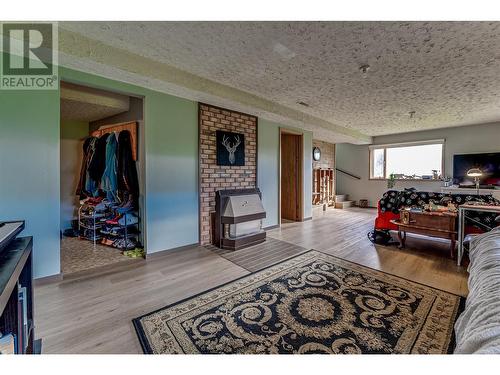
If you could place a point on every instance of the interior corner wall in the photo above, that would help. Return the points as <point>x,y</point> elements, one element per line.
<point>354,158</point>
<point>29,171</point>
<point>73,134</point>
<point>268,169</point>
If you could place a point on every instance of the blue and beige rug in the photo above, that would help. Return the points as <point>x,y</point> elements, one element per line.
<point>312,303</point>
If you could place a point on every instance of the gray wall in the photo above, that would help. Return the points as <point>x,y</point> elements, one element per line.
<point>354,159</point>
<point>268,150</point>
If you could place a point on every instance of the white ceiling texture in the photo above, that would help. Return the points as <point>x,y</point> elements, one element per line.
<point>421,75</point>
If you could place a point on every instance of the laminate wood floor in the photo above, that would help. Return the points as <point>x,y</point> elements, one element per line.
<point>257,257</point>
<point>92,314</point>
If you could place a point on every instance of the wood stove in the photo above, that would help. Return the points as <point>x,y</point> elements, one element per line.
<point>238,218</point>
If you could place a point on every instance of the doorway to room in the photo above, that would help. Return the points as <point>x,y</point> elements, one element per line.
<point>101,177</point>
<point>291,176</point>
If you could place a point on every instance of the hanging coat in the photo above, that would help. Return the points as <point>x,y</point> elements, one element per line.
<point>109,182</point>
<point>80,189</point>
<point>91,186</point>
<point>127,171</point>
<point>98,162</point>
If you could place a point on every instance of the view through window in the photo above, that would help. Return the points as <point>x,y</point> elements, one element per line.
<point>415,161</point>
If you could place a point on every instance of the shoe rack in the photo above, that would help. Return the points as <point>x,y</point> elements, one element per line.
<point>90,226</point>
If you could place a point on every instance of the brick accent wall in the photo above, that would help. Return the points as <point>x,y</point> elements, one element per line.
<point>214,177</point>
<point>327,154</point>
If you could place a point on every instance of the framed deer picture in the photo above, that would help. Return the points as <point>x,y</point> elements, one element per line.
<point>230,148</point>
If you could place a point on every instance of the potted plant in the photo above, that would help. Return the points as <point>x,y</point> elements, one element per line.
<point>391,181</point>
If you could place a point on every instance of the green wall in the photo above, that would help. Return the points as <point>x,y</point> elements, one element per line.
<point>29,170</point>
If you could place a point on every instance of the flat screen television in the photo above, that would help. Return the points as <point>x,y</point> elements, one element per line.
<point>488,163</point>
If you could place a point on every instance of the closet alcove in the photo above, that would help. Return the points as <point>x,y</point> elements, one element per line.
<point>101,178</point>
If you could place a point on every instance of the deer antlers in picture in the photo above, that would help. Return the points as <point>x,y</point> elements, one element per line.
<point>231,148</point>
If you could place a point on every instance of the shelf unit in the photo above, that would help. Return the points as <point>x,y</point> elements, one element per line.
<point>16,271</point>
<point>323,186</point>
<point>97,226</point>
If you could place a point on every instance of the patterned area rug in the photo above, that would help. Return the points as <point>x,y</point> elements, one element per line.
<point>313,303</point>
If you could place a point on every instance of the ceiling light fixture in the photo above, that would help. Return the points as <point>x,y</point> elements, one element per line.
<point>285,52</point>
<point>364,69</point>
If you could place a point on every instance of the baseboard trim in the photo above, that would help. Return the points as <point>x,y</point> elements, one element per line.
<point>308,218</point>
<point>102,270</point>
<point>161,253</point>
<point>48,279</point>
<point>271,227</point>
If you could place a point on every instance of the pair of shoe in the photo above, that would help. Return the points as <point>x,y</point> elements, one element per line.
<point>105,204</point>
<point>93,213</point>
<point>126,206</point>
<point>107,242</point>
<point>136,253</point>
<point>123,220</point>
<point>114,220</point>
<point>125,243</point>
<point>128,219</point>
<point>93,201</point>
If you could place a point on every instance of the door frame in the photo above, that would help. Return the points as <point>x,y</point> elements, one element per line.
<point>300,135</point>
<point>141,152</point>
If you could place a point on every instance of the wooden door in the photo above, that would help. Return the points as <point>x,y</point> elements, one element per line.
<point>291,177</point>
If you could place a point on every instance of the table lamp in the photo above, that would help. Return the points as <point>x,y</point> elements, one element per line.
<point>476,173</point>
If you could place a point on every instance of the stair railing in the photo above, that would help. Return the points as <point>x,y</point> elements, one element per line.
<point>347,173</point>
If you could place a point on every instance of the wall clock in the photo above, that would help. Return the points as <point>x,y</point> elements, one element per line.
<point>316,153</point>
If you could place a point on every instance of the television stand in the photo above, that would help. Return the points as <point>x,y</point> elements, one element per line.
<point>471,191</point>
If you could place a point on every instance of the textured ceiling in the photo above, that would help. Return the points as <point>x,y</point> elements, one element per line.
<point>79,103</point>
<point>80,111</point>
<point>448,73</point>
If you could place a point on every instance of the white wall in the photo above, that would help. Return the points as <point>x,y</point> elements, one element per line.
<point>354,159</point>
<point>268,153</point>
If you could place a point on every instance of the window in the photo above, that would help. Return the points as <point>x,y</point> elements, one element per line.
<point>407,161</point>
